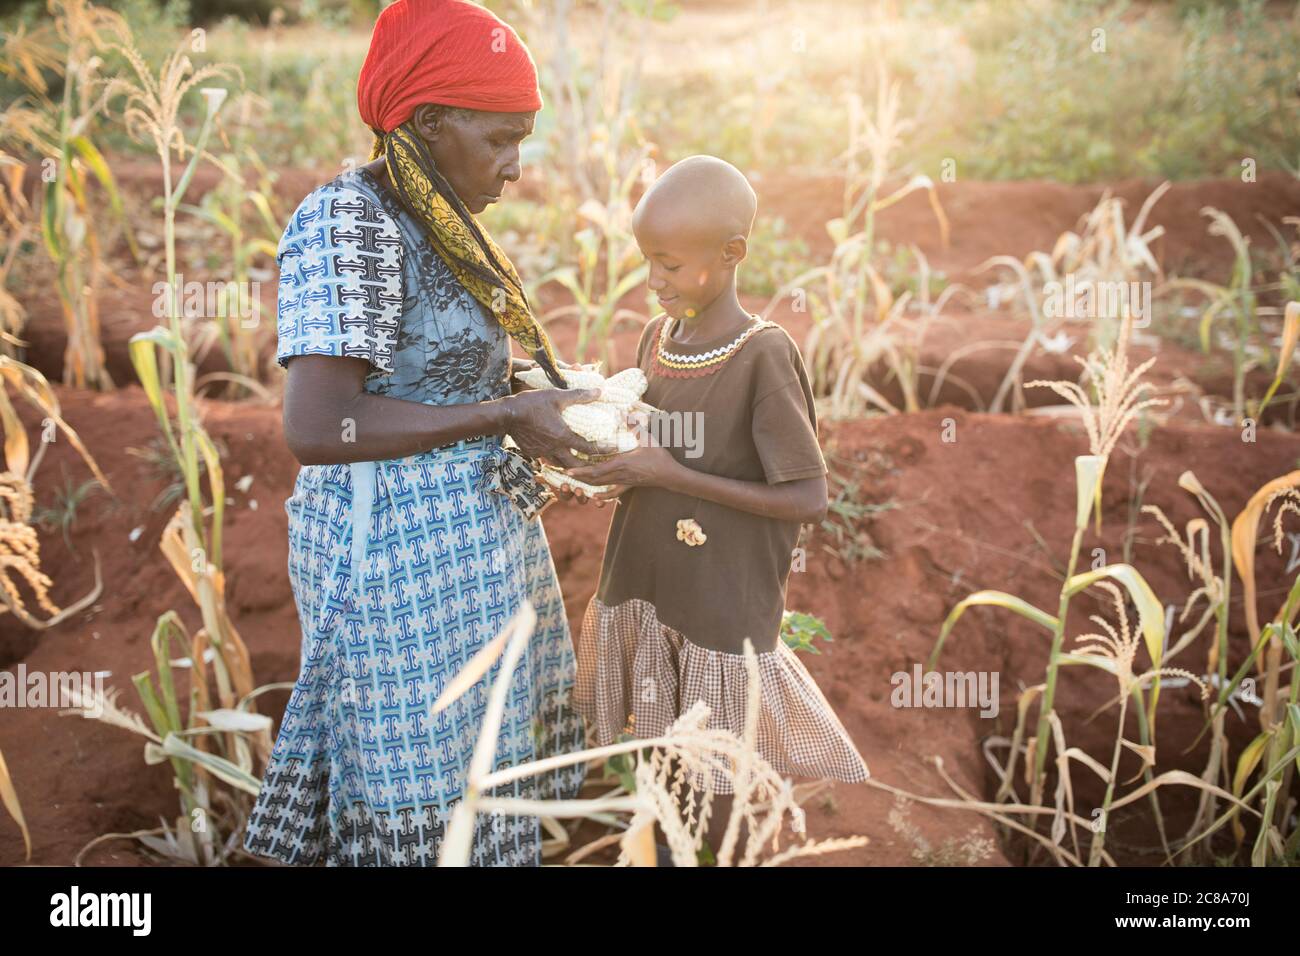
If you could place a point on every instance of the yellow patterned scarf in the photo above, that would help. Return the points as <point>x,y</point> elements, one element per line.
<point>475,259</point>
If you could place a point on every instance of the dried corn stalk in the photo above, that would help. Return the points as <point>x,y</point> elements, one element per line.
<point>669,768</point>
<point>20,549</point>
<point>9,797</point>
<point>19,546</point>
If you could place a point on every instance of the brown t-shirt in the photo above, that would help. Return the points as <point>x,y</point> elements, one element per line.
<point>754,421</point>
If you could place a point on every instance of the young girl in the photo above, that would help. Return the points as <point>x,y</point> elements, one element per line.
<point>669,620</point>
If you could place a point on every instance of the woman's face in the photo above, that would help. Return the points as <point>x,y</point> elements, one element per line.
<point>477,152</point>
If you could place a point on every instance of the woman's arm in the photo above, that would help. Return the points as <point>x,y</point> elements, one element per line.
<point>330,419</point>
<point>803,500</point>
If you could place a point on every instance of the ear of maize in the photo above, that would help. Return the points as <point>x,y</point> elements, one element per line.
<point>586,377</point>
<point>594,421</point>
<point>603,420</point>
<point>558,479</point>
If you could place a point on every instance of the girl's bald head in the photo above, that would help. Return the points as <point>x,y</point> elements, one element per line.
<point>693,227</point>
<point>702,197</point>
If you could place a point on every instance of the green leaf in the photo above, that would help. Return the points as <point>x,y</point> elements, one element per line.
<point>799,630</point>
<point>995,599</point>
<point>49,221</point>
<point>629,282</point>
<point>219,767</point>
<point>1151,613</point>
<point>263,207</point>
<point>99,166</point>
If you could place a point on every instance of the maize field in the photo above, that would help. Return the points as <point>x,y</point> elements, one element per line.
<point>1047,291</point>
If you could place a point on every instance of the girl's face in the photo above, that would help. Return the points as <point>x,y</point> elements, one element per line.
<point>477,152</point>
<point>686,273</point>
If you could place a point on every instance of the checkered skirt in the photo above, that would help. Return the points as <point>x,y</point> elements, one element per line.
<point>360,773</point>
<point>634,670</point>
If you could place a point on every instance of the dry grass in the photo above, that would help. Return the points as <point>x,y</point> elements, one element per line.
<point>1116,649</point>
<point>679,765</point>
<point>218,744</point>
<point>60,133</point>
<point>859,324</point>
<point>1103,255</point>
<point>19,544</point>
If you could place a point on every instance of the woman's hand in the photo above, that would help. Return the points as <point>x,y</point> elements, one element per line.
<point>533,421</point>
<point>518,365</point>
<point>642,466</point>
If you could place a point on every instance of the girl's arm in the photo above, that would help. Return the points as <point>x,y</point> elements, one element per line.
<point>803,500</point>
<point>329,418</point>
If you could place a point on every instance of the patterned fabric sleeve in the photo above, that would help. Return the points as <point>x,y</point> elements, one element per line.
<point>341,259</point>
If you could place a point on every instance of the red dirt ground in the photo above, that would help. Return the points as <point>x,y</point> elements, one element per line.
<point>958,525</point>
<point>960,522</point>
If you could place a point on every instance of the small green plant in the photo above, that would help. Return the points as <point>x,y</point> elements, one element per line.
<point>799,630</point>
<point>845,515</point>
<point>63,513</point>
<point>166,469</point>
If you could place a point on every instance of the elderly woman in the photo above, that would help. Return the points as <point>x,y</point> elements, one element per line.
<point>413,534</point>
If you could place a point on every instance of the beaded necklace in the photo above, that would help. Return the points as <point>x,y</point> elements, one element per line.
<point>705,363</point>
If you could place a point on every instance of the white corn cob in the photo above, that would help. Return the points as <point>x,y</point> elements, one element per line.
<point>594,421</point>
<point>625,388</point>
<point>603,420</point>
<point>584,377</point>
<point>558,479</point>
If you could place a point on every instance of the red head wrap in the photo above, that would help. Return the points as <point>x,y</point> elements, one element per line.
<point>443,51</point>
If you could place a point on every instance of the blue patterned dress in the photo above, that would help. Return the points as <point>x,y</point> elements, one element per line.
<point>403,569</point>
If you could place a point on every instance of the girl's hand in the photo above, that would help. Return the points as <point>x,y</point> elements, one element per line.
<point>580,496</point>
<point>646,465</point>
<point>614,493</point>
